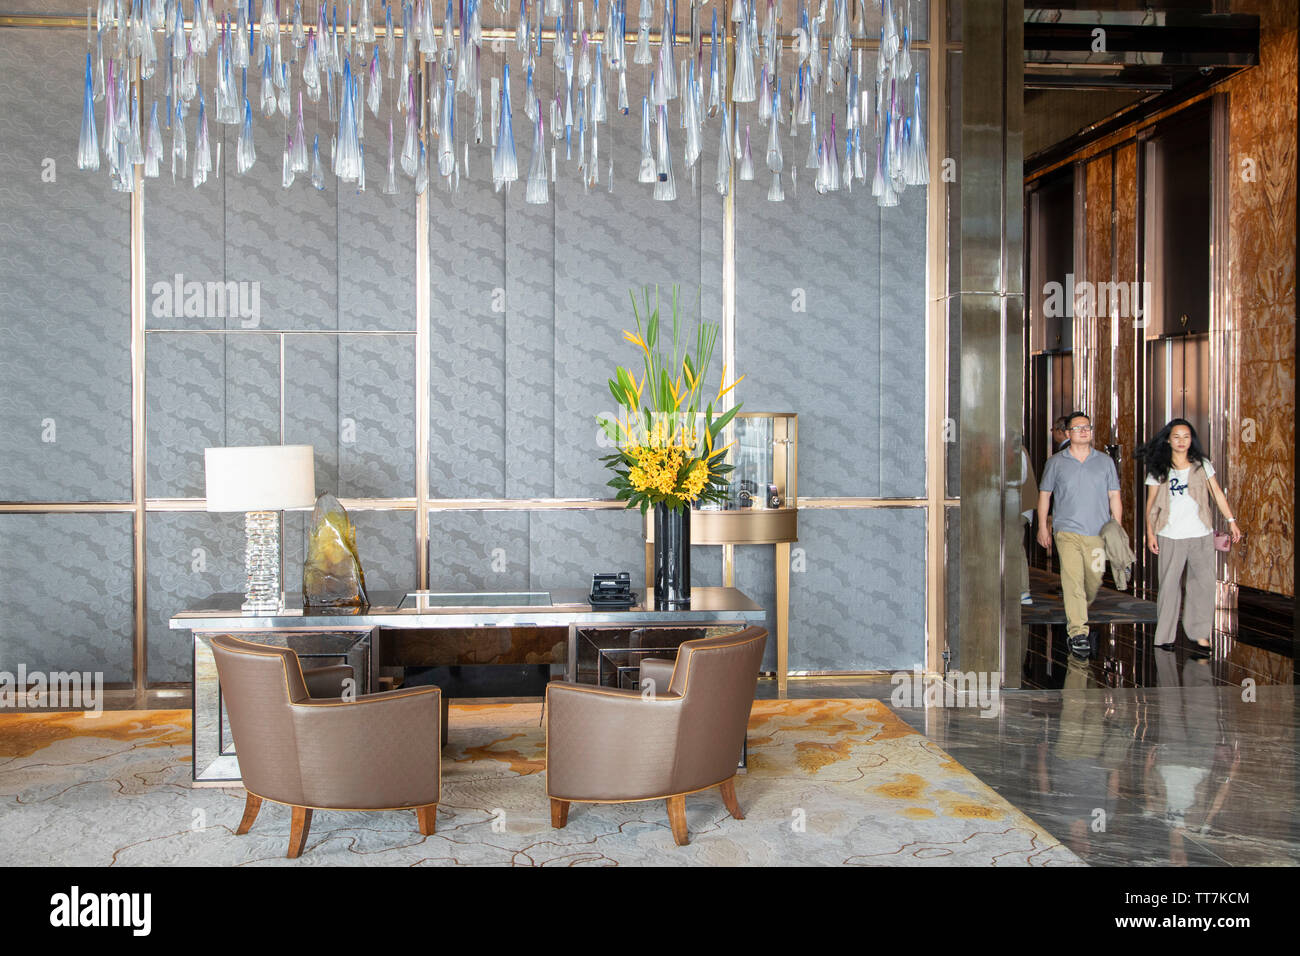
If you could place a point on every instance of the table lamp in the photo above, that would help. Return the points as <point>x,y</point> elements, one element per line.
<point>261,481</point>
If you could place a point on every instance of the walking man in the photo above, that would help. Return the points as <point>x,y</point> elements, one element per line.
<point>1086,487</point>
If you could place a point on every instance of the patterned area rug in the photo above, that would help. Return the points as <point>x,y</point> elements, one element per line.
<point>829,782</point>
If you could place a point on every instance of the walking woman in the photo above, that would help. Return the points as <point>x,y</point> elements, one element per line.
<point>1180,529</point>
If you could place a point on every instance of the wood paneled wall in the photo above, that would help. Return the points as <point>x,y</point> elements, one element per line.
<point>1128,342</point>
<point>1106,342</point>
<point>1262,303</point>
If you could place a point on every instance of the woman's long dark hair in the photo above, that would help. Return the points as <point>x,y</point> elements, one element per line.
<point>1158,455</point>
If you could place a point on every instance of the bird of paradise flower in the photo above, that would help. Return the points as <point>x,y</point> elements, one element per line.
<point>667,447</point>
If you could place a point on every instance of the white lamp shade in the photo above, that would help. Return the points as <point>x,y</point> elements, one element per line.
<point>260,478</point>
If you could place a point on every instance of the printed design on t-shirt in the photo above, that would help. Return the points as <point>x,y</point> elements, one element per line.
<point>1177,487</point>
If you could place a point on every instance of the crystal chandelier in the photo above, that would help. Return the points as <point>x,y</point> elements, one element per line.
<point>159,72</point>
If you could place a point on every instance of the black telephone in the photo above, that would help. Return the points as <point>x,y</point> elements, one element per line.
<point>612,592</point>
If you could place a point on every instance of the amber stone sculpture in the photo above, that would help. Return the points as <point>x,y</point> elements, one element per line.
<point>332,575</point>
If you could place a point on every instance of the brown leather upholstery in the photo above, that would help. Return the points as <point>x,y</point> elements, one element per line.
<point>609,745</point>
<point>327,681</point>
<point>656,669</point>
<point>376,752</point>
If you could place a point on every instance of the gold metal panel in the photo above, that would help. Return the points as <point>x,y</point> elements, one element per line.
<point>765,526</point>
<point>747,526</point>
<point>782,612</point>
<point>422,333</point>
<point>936,345</point>
<point>139,315</point>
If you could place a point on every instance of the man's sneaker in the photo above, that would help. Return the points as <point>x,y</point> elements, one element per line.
<point>1025,598</point>
<point>1080,646</point>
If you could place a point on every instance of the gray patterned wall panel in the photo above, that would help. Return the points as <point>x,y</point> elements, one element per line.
<point>853,363</point>
<point>711,238</point>
<point>613,243</point>
<point>530,348</point>
<point>65,369</point>
<point>376,238</point>
<point>66,593</point>
<point>189,556</point>
<point>252,389</point>
<point>284,239</point>
<point>467,335</point>
<point>860,604</point>
<point>567,547</point>
<point>202,391</point>
<point>311,402</point>
<point>478,550</point>
<point>822,254</point>
<point>185,235</point>
<point>377,396</point>
<point>352,397</point>
<point>185,385</point>
<point>902,333</point>
<point>386,546</point>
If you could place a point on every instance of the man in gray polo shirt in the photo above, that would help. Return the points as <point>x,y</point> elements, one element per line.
<point>1086,487</point>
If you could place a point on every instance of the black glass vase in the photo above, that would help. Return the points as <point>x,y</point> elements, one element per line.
<point>672,557</point>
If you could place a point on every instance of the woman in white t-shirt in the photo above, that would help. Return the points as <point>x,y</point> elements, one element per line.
<point>1180,482</point>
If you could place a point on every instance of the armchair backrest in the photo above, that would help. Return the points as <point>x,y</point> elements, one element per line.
<point>716,679</point>
<point>258,686</point>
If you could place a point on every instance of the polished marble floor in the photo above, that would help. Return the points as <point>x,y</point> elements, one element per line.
<point>1186,773</point>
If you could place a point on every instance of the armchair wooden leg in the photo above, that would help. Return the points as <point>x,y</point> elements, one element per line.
<point>559,813</point>
<point>677,819</point>
<point>427,817</point>
<point>298,831</point>
<point>251,806</point>
<point>728,788</point>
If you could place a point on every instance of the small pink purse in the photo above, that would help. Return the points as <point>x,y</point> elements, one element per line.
<point>1222,541</point>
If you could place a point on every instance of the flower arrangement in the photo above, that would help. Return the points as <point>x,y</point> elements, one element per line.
<point>668,452</point>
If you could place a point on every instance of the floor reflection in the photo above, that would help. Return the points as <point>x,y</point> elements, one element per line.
<point>1188,772</point>
<point>1124,655</point>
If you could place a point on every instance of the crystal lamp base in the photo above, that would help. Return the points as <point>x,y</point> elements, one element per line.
<point>262,562</point>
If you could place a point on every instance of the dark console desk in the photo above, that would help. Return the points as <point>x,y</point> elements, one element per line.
<point>556,628</point>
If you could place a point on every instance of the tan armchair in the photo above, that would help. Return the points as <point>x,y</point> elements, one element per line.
<point>605,745</point>
<point>376,752</point>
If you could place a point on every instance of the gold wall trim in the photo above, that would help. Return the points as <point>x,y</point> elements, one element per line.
<point>422,336</point>
<point>525,504</point>
<point>355,504</point>
<point>66,507</point>
<point>728,555</point>
<point>827,504</point>
<point>284,332</point>
<point>139,316</point>
<point>936,345</point>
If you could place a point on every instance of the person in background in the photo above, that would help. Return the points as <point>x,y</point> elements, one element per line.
<point>1180,530</point>
<point>1085,486</point>
<point>1060,437</point>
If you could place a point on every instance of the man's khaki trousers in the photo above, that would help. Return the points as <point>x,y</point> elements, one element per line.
<point>1082,558</point>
